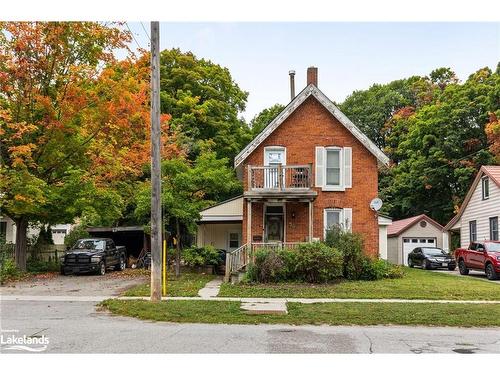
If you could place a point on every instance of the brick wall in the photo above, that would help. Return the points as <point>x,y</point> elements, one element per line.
<point>309,126</point>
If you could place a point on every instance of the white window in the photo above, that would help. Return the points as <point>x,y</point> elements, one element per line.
<point>472,231</point>
<point>333,168</point>
<point>336,217</point>
<point>485,183</point>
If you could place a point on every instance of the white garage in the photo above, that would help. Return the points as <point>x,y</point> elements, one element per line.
<point>419,231</point>
<point>411,243</point>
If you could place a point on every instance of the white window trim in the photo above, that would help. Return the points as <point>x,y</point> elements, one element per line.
<point>275,148</point>
<point>229,238</point>
<point>341,186</point>
<point>325,212</point>
<point>485,178</point>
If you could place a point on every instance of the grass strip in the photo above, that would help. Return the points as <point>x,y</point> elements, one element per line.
<point>344,313</point>
<point>187,285</point>
<point>417,284</point>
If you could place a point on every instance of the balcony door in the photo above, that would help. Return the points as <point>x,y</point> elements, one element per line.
<point>273,156</point>
<point>274,223</point>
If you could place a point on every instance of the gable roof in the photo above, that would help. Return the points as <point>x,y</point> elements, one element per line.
<point>493,172</point>
<point>399,226</point>
<point>311,90</point>
<point>228,210</point>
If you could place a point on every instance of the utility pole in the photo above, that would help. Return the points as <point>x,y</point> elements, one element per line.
<point>155,165</point>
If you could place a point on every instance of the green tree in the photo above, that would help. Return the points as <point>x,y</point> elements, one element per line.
<point>204,102</point>
<point>370,109</point>
<point>439,146</point>
<point>185,188</point>
<point>261,120</point>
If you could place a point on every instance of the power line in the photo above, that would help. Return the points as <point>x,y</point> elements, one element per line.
<point>133,36</point>
<point>145,31</point>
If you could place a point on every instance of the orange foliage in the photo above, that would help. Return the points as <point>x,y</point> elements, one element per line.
<point>493,133</point>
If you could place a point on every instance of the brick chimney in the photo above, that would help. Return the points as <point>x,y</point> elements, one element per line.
<point>312,76</point>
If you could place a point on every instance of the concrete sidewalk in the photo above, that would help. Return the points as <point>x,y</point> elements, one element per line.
<point>71,298</point>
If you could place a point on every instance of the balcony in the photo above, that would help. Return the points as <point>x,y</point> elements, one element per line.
<point>280,181</point>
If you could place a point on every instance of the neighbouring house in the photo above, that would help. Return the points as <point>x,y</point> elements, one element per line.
<point>418,231</point>
<point>310,169</point>
<point>8,231</point>
<point>221,225</point>
<point>477,218</point>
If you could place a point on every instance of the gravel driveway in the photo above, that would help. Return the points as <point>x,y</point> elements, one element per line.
<point>111,284</point>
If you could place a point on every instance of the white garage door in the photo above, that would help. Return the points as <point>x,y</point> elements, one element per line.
<point>410,243</point>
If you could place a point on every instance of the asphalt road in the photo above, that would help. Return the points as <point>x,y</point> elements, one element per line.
<point>77,327</point>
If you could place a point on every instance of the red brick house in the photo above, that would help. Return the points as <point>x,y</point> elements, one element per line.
<point>309,169</point>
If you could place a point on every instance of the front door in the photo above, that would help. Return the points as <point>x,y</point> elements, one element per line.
<point>272,158</point>
<point>274,224</point>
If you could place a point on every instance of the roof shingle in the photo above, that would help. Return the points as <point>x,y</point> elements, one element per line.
<point>399,226</point>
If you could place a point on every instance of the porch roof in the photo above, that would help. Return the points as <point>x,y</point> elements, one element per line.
<point>230,210</point>
<point>284,195</point>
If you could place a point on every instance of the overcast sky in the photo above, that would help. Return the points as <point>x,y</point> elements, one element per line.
<point>349,56</point>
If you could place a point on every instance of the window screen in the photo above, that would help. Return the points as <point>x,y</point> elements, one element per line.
<point>333,167</point>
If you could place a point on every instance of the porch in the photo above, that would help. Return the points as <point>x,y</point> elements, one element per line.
<point>237,260</point>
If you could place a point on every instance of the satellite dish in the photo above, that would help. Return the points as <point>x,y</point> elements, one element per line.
<point>376,204</point>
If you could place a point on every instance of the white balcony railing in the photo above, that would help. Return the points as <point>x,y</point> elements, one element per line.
<point>279,177</point>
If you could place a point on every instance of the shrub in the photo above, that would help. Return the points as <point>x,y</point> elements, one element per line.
<point>8,270</point>
<point>201,256</point>
<point>269,266</point>
<point>316,262</point>
<point>379,269</point>
<point>251,274</point>
<point>38,266</point>
<point>351,247</point>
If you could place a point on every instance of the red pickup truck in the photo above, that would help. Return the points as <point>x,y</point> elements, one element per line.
<point>480,256</point>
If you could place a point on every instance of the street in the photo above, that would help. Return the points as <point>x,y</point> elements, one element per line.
<point>78,327</point>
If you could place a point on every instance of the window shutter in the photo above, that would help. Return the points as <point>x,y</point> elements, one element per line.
<point>320,167</point>
<point>347,167</point>
<point>347,219</point>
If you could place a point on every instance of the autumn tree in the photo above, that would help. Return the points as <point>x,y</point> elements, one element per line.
<point>438,146</point>
<point>493,126</point>
<point>52,123</point>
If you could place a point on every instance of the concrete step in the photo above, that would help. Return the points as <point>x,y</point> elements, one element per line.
<point>274,307</point>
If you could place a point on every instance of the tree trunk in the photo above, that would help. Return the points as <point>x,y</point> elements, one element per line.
<point>21,242</point>
<point>178,251</point>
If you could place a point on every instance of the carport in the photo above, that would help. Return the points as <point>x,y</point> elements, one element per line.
<point>133,238</point>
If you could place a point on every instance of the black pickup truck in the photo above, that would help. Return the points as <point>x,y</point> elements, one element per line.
<point>93,255</point>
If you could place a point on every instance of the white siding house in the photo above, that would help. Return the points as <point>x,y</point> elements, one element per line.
<point>8,231</point>
<point>480,212</point>
<point>220,225</point>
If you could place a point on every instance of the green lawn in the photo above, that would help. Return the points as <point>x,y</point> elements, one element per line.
<point>345,313</point>
<point>187,285</point>
<point>417,284</point>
